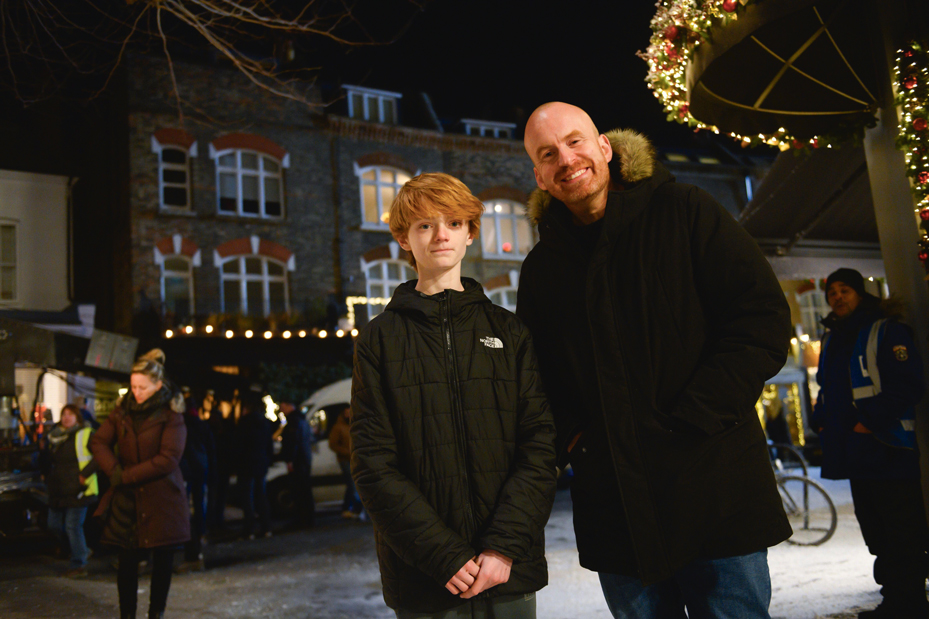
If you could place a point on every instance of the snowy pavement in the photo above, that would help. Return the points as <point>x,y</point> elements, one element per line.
<point>331,572</point>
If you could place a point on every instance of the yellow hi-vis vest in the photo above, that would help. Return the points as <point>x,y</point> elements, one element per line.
<point>83,459</point>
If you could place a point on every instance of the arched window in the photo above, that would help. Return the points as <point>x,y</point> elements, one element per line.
<point>177,286</point>
<point>249,183</point>
<point>813,308</point>
<point>254,285</point>
<point>381,279</point>
<point>505,231</point>
<point>378,186</point>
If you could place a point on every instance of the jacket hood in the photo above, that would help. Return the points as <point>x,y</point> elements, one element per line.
<point>407,299</point>
<point>633,161</point>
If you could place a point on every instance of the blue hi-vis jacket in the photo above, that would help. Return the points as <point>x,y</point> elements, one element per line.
<point>870,372</point>
<point>864,372</point>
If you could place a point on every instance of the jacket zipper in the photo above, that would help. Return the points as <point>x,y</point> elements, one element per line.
<point>452,366</point>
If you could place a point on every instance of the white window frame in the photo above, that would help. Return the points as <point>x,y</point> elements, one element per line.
<point>492,217</point>
<point>189,275</point>
<point>260,173</point>
<point>15,264</point>
<point>497,296</point>
<point>191,151</point>
<point>244,277</point>
<point>384,280</point>
<point>488,128</point>
<point>382,209</point>
<point>385,100</point>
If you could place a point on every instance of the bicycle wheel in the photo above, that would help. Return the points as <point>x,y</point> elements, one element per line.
<point>809,509</point>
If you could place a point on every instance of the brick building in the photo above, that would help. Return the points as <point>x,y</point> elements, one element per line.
<point>256,205</point>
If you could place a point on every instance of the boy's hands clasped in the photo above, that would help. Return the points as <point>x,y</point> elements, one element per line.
<point>488,570</point>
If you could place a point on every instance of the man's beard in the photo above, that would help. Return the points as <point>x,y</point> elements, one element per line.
<point>598,183</point>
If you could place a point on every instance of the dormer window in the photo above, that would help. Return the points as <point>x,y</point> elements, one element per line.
<point>378,106</point>
<point>488,128</point>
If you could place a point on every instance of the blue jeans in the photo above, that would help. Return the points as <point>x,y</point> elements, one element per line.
<point>730,588</point>
<point>68,524</point>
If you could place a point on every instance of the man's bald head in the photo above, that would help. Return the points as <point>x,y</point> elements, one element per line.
<point>550,112</point>
<point>570,158</point>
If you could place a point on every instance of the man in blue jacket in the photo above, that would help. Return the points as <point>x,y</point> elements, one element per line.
<point>871,377</point>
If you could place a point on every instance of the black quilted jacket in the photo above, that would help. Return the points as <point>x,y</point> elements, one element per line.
<point>452,444</point>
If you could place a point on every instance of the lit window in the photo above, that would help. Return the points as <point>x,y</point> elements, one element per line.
<point>677,157</point>
<point>174,178</point>
<point>505,231</point>
<point>250,184</point>
<point>379,186</point>
<point>504,297</point>
<point>813,308</point>
<point>177,287</point>
<point>372,105</point>
<point>7,262</point>
<point>487,128</point>
<point>254,285</point>
<point>382,278</point>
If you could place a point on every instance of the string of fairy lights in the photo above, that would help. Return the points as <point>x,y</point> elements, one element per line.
<point>190,330</point>
<point>679,27</point>
<point>911,80</point>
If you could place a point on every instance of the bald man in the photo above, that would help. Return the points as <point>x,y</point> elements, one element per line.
<point>656,320</point>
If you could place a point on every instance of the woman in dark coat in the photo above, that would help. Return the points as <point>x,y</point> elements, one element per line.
<point>146,507</point>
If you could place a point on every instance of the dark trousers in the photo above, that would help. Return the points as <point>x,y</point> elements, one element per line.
<point>127,579</point>
<point>196,493</point>
<point>350,500</point>
<point>255,497</point>
<point>301,486</point>
<point>217,496</point>
<point>893,524</point>
<point>521,606</point>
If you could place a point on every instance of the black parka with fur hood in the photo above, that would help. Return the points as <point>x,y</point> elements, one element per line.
<point>452,444</point>
<point>655,343</point>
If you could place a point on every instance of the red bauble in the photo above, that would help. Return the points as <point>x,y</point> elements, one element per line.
<point>797,144</point>
<point>923,255</point>
<point>908,53</point>
<point>670,51</point>
<point>923,177</point>
<point>910,82</point>
<point>729,6</point>
<point>919,124</point>
<point>924,214</point>
<point>815,142</point>
<point>507,248</point>
<point>671,32</point>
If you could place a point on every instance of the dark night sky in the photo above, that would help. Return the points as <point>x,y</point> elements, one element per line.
<point>498,60</point>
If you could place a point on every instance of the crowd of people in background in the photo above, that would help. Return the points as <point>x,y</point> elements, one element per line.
<point>176,481</point>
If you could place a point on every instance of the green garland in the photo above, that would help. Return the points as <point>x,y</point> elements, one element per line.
<point>911,80</point>
<point>679,27</point>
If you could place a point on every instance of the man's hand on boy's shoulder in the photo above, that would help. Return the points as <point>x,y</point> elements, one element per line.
<point>494,570</point>
<point>464,578</point>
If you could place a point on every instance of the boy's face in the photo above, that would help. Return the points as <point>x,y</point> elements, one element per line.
<point>438,243</point>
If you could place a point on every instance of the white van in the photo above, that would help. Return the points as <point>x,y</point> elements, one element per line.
<point>321,410</point>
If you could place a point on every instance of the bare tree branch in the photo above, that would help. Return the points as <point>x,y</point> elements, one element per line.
<point>49,44</point>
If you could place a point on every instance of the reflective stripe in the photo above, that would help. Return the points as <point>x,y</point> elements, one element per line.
<point>83,459</point>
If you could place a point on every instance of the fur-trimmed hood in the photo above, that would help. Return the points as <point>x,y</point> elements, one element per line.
<point>633,161</point>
